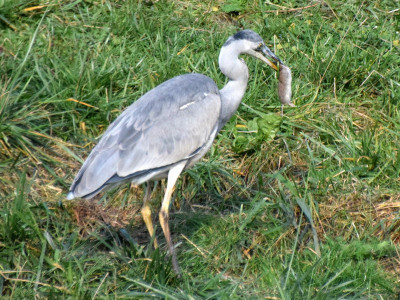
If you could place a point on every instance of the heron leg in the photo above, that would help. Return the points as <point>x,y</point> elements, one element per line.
<point>146,212</point>
<point>173,175</point>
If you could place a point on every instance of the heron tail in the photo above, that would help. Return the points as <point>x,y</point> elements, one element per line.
<point>70,196</point>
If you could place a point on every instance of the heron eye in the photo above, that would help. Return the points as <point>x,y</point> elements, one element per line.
<point>260,46</point>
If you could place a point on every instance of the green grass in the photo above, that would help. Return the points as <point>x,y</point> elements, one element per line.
<point>306,207</point>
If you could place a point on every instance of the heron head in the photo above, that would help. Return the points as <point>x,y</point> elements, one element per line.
<point>253,44</point>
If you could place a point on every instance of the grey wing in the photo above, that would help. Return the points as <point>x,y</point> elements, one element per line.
<point>173,139</point>
<point>160,129</point>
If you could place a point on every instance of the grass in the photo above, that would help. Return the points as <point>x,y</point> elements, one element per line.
<point>304,206</point>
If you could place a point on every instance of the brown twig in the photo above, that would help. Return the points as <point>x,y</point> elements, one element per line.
<point>291,9</point>
<point>60,288</point>
<point>280,10</point>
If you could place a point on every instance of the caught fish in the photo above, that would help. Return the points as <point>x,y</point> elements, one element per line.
<point>285,85</point>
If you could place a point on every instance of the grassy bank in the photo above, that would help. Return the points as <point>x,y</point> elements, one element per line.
<point>299,206</point>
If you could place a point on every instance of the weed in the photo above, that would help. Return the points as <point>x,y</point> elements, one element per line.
<point>299,206</point>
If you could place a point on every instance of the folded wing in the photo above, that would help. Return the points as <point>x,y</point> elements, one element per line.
<point>169,124</point>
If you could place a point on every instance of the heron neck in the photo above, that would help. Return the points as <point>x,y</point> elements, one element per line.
<point>232,93</point>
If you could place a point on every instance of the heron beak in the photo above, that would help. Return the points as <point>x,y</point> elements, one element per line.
<point>264,53</point>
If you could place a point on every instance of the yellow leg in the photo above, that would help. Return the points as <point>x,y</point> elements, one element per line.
<point>164,212</point>
<point>146,213</point>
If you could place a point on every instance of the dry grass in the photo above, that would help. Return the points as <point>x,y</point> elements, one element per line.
<point>241,219</point>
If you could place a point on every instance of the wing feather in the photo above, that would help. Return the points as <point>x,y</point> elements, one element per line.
<point>163,127</point>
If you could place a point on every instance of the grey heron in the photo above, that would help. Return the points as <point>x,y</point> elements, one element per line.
<point>169,129</point>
